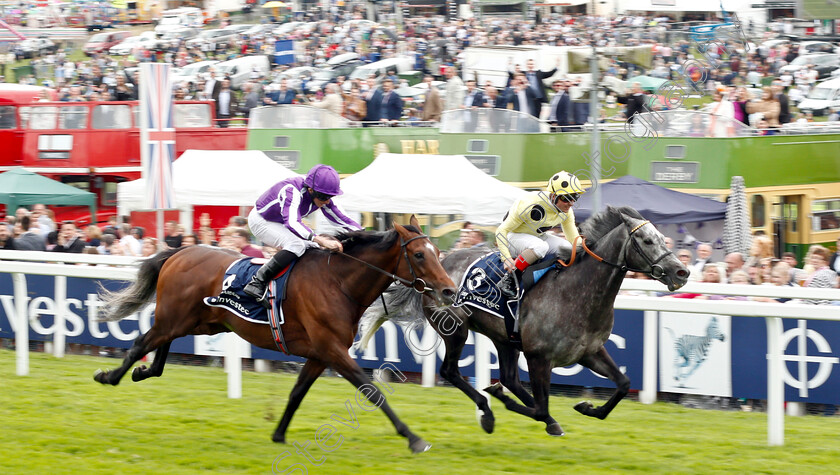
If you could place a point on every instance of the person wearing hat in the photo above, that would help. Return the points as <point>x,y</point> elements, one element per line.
<point>276,220</point>
<point>523,232</point>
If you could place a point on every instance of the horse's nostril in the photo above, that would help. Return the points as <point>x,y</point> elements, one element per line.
<point>448,293</point>
<point>682,273</point>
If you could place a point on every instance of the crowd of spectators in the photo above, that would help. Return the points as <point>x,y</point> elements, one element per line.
<point>437,47</point>
<point>820,269</point>
<point>36,230</point>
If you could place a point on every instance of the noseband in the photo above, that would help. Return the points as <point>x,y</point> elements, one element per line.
<point>654,269</point>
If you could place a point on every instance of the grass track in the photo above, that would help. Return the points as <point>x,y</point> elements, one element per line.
<point>58,420</point>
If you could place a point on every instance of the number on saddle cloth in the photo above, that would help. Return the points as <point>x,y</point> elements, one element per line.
<point>479,285</point>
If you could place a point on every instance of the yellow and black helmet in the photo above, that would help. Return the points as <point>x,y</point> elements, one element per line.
<point>565,185</point>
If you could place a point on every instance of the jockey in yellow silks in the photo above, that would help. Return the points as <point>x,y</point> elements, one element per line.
<point>523,233</point>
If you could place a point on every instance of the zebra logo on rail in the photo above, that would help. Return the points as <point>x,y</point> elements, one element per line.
<point>691,351</point>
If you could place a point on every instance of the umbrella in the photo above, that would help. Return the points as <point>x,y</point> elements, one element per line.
<point>737,235</point>
<point>274,4</point>
<point>648,83</point>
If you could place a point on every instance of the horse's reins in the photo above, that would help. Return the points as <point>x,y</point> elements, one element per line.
<point>655,270</point>
<point>418,284</point>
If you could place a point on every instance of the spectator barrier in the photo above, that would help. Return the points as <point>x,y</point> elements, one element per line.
<point>50,295</point>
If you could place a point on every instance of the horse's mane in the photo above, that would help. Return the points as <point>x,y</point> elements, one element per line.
<point>376,240</point>
<point>601,223</point>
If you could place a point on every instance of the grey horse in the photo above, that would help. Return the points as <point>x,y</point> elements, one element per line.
<point>564,319</point>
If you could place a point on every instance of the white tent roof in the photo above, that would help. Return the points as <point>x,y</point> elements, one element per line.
<point>211,177</point>
<point>429,184</point>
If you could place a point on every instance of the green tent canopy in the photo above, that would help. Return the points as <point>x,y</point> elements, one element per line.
<point>19,187</point>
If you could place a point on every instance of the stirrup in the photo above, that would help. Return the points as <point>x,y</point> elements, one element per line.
<point>251,291</point>
<point>508,287</point>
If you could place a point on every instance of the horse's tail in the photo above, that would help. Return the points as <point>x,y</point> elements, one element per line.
<point>402,304</point>
<point>122,303</point>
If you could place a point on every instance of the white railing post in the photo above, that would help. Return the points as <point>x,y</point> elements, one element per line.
<point>60,323</point>
<point>429,343</point>
<point>482,367</point>
<point>22,328</point>
<point>650,353</point>
<point>233,365</point>
<point>775,383</point>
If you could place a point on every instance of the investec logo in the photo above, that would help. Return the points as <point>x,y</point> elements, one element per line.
<point>75,318</point>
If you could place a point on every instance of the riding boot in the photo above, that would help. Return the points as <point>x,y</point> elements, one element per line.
<point>258,286</point>
<point>508,285</point>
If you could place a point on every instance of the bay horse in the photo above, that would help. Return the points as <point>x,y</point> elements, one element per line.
<point>564,319</point>
<point>327,294</point>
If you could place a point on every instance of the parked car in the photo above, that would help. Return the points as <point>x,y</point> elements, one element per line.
<point>177,35</point>
<point>287,28</point>
<point>240,28</point>
<point>765,47</point>
<point>213,38</point>
<point>822,98</point>
<point>191,72</point>
<point>101,42</point>
<point>323,76</point>
<point>178,18</point>
<point>146,40</point>
<point>379,68</point>
<point>361,24</point>
<point>34,47</point>
<point>823,63</point>
<point>241,69</point>
<point>811,47</point>
<point>259,30</point>
<point>293,76</point>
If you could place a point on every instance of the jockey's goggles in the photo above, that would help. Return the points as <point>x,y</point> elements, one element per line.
<point>322,196</point>
<point>569,198</point>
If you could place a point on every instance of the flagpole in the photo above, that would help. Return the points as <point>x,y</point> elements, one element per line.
<point>157,138</point>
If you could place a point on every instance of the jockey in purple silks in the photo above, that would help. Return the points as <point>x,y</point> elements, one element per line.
<point>276,221</point>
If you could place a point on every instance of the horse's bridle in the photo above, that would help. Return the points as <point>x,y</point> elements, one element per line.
<point>419,285</point>
<point>655,270</point>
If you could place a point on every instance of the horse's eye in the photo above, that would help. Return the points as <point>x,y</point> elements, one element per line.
<point>418,255</point>
<point>648,241</point>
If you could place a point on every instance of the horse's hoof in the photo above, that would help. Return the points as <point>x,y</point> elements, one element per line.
<point>584,407</point>
<point>419,446</point>
<point>280,439</point>
<point>488,422</point>
<point>554,430</point>
<point>99,376</point>
<point>137,374</point>
<point>495,390</point>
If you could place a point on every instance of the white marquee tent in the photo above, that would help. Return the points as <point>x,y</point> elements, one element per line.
<point>428,184</point>
<point>211,177</point>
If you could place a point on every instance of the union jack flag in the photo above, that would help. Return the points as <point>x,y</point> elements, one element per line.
<point>157,134</point>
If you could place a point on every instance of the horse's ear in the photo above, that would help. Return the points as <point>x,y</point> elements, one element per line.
<point>413,221</point>
<point>398,227</point>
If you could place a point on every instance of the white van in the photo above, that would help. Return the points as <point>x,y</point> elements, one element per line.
<point>179,18</point>
<point>822,97</point>
<point>379,68</point>
<point>240,69</point>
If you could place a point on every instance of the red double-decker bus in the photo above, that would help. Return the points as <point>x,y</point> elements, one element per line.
<point>95,145</point>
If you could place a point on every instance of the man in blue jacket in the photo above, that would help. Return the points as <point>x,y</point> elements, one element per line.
<point>373,101</point>
<point>392,103</point>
